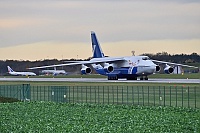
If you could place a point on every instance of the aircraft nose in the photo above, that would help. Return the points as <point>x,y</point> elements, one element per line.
<point>153,69</point>
<point>149,70</point>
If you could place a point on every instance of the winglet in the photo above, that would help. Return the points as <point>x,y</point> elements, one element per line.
<point>96,48</point>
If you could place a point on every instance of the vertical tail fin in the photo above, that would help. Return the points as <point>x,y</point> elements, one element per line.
<point>9,69</point>
<point>96,48</point>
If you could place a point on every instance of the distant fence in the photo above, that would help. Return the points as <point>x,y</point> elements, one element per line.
<point>178,96</point>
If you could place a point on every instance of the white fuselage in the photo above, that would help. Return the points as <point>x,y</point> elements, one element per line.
<point>55,72</point>
<point>144,65</point>
<point>22,73</point>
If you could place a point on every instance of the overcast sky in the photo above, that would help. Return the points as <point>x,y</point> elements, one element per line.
<point>40,29</point>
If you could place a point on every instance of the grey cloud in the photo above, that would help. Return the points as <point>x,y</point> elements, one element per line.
<point>113,21</point>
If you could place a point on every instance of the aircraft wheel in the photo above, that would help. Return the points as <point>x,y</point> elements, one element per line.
<point>146,78</point>
<point>113,78</point>
<point>141,78</point>
<point>132,78</point>
<point>135,78</point>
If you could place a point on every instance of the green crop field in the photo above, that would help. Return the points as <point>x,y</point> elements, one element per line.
<point>69,117</point>
<point>49,117</point>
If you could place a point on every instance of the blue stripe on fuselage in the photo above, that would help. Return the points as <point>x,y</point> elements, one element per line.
<point>132,70</point>
<point>119,71</point>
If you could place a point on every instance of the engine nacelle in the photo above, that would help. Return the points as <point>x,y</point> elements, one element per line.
<point>86,70</point>
<point>108,67</point>
<point>168,69</point>
<point>157,68</point>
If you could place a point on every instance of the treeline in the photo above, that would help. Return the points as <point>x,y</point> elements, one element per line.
<point>20,65</point>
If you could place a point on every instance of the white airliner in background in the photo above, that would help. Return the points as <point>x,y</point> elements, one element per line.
<point>55,72</point>
<point>10,71</point>
<point>115,68</point>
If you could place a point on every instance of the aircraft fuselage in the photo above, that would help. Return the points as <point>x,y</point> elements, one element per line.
<point>132,66</point>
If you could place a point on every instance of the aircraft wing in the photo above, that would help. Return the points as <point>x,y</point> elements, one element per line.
<point>104,60</point>
<point>170,63</point>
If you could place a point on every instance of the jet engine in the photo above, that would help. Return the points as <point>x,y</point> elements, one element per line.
<point>168,69</point>
<point>108,67</point>
<point>157,68</point>
<point>86,69</point>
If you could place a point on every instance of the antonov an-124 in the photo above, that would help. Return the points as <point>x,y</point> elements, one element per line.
<point>130,67</point>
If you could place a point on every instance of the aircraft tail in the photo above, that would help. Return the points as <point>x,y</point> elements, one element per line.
<point>96,48</point>
<point>9,69</point>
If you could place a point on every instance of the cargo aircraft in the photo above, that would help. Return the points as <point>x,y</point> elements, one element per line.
<point>129,67</point>
<point>10,71</point>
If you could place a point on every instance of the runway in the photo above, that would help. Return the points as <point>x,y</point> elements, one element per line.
<point>197,81</point>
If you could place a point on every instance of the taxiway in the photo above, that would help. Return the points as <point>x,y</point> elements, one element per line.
<point>102,80</point>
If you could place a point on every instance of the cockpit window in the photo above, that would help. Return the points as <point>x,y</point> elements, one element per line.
<point>145,58</point>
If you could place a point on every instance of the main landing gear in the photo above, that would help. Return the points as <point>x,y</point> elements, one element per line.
<point>132,78</point>
<point>129,78</point>
<point>144,78</point>
<point>112,78</point>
